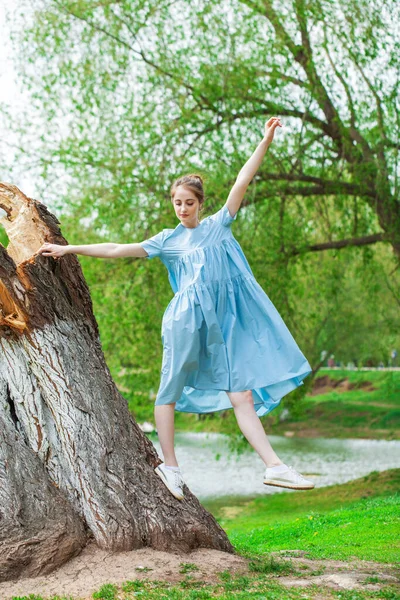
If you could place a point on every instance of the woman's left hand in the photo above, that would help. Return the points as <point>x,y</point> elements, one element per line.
<point>270,127</point>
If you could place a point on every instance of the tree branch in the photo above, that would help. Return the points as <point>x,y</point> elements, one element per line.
<point>283,76</point>
<point>365,240</point>
<point>303,55</point>
<point>139,53</point>
<point>391,144</point>
<point>328,185</point>
<point>269,107</point>
<point>342,81</point>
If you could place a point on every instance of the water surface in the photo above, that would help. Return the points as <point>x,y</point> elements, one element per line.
<point>325,461</point>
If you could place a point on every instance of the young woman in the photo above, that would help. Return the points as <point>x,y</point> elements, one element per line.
<point>224,343</point>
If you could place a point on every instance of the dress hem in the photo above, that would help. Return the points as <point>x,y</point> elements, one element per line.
<point>264,403</point>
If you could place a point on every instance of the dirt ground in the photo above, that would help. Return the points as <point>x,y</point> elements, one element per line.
<point>338,575</point>
<point>87,572</point>
<point>326,384</point>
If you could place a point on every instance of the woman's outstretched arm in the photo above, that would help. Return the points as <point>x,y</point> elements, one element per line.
<point>248,171</point>
<point>105,250</point>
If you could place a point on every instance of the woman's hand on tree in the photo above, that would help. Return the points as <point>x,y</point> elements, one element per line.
<point>54,250</point>
<point>270,127</point>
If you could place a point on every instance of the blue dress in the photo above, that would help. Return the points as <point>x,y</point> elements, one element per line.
<point>220,332</point>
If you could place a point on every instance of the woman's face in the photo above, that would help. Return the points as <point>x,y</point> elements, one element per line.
<point>186,207</point>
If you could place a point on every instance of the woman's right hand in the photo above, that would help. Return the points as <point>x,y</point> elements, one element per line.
<point>54,250</point>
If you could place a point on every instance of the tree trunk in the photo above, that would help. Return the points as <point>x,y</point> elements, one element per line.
<point>39,528</point>
<point>73,460</point>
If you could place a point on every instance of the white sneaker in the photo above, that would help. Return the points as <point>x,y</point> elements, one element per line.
<point>287,478</point>
<point>172,479</point>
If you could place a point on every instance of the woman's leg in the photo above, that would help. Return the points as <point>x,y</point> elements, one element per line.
<point>164,415</point>
<point>251,426</point>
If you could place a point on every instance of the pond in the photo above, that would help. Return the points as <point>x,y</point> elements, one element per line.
<point>211,470</point>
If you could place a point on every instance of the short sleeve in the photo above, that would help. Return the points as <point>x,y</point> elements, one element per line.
<point>153,245</point>
<point>223,216</point>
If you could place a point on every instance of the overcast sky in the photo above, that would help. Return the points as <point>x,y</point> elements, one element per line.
<point>12,97</point>
<point>8,89</point>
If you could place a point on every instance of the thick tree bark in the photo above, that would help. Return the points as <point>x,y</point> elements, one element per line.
<point>60,405</point>
<point>39,528</point>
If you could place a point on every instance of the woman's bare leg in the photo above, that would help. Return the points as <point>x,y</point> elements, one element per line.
<point>164,415</point>
<point>251,426</point>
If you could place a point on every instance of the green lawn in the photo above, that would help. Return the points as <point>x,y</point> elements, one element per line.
<point>368,530</point>
<point>357,519</point>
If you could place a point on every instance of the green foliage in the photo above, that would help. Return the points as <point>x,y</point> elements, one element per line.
<point>188,567</point>
<point>108,591</point>
<point>391,385</point>
<point>367,530</point>
<point>372,579</point>
<point>133,586</point>
<point>3,237</point>
<point>143,94</point>
<point>370,409</point>
<point>270,564</point>
<point>261,588</point>
<point>36,597</point>
<point>231,583</point>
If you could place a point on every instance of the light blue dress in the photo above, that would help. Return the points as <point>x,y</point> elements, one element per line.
<point>220,332</point>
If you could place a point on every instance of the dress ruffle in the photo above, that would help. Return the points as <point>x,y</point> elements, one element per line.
<point>221,333</point>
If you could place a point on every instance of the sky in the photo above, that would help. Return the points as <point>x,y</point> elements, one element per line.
<point>8,88</point>
<point>11,96</point>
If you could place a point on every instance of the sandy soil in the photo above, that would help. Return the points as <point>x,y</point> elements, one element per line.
<point>86,573</point>
<point>93,568</point>
<point>339,575</point>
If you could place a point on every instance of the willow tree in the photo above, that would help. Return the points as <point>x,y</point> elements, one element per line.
<point>143,91</point>
<point>74,465</point>
<point>190,79</point>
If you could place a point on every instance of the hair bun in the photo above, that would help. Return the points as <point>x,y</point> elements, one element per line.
<point>195,176</point>
<point>193,182</point>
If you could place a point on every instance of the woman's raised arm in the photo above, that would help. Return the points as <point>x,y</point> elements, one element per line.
<point>105,250</point>
<point>248,171</point>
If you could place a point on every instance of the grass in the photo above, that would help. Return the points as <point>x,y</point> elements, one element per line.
<point>188,567</point>
<point>287,505</point>
<point>356,520</point>
<point>365,530</point>
<point>359,519</point>
<point>260,587</point>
